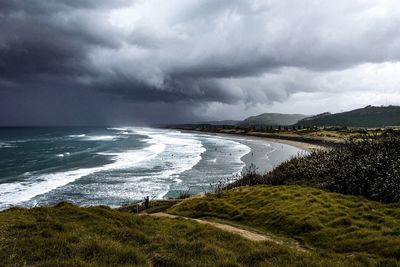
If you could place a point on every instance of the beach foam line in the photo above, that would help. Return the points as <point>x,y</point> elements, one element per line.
<point>180,140</point>
<point>239,149</point>
<point>273,149</point>
<point>184,151</point>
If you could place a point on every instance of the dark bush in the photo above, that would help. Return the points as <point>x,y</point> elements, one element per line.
<point>368,166</point>
<point>249,176</point>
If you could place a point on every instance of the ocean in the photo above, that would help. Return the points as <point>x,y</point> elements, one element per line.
<point>117,166</point>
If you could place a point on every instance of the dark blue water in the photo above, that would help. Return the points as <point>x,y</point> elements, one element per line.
<point>88,166</point>
<point>43,150</point>
<point>116,166</point>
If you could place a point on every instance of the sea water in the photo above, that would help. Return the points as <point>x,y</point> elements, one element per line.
<point>111,166</point>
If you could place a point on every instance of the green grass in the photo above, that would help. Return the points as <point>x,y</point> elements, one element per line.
<point>326,222</point>
<point>67,235</point>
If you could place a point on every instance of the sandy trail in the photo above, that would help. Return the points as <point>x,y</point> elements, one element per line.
<point>234,230</point>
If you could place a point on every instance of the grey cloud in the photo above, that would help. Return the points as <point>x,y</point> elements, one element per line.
<point>33,47</point>
<point>183,56</point>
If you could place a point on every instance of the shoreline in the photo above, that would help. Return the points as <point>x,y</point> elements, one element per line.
<point>300,145</point>
<point>261,150</point>
<point>265,155</point>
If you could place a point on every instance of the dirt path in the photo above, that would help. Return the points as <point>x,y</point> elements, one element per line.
<point>234,230</point>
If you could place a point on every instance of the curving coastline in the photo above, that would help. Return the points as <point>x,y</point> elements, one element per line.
<point>304,142</point>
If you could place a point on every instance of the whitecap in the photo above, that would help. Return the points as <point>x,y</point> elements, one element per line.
<point>77,135</point>
<point>177,180</point>
<point>6,145</point>
<point>118,129</point>
<point>101,138</point>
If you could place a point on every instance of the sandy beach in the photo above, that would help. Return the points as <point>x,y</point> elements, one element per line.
<point>261,147</point>
<point>300,145</point>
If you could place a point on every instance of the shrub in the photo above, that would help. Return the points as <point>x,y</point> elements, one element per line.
<point>184,194</point>
<point>249,176</point>
<point>368,166</point>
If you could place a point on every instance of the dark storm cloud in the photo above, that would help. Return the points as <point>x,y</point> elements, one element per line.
<point>129,59</point>
<point>45,37</point>
<point>44,7</point>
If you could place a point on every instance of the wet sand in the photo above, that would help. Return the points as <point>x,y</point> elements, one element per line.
<point>301,145</point>
<point>266,154</point>
<point>263,148</point>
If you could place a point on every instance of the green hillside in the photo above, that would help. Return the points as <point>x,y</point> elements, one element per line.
<point>369,116</point>
<point>326,223</point>
<point>67,235</point>
<point>272,119</point>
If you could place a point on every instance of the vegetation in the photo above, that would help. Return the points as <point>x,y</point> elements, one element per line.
<point>67,235</point>
<point>327,223</point>
<point>367,166</point>
<point>369,116</point>
<point>323,136</point>
<point>272,119</point>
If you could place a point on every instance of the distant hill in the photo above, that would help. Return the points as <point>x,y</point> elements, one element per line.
<point>316,116</point>
<point>272,119</point>
<point>224,122</point>
<point>370,116</point>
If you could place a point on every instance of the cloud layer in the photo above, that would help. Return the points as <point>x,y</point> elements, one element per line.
<point>136,61</point>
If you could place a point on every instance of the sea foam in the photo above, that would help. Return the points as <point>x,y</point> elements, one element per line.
<point>182,152</point>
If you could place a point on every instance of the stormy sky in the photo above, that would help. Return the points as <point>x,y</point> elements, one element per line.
<point>121,62</point>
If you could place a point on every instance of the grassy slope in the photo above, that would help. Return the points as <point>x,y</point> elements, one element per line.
<point>328,222</point>
<point>67,235</point>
